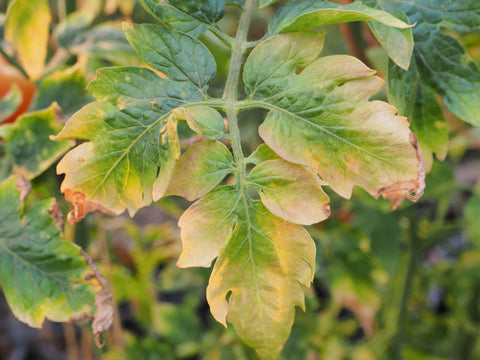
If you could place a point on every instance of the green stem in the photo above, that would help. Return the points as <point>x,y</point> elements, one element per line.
<point>231,88</point>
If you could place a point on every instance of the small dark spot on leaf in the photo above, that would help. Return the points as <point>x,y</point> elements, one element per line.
<point>89,277</point>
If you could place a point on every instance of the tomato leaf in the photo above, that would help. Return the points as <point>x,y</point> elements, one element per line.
<point>133,145</point>
<point>262,267</point>
<point>291,192</point>
<point>395,35</point>
<point>66,87</point>
<point>342,136</point>
<point>171,17</point>
<point>200,169</point>
<point>204,120</point>
<point>208,12</point>
<point>42,276</point>
<point>417,101</point>
<point>24,18</point>
<point>179,56</point>
<point>206,225</point>
<point>28,143</point>
<point>440,60</point>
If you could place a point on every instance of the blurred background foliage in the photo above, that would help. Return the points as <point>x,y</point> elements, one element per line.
<point>388,285</point>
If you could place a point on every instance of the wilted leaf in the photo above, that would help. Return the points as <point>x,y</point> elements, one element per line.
<point>42,276</point>
<point>342,136</point>
<point>200,169</point>
<point>27,28</point>
<point>291,192</point>
<point>28,142</point>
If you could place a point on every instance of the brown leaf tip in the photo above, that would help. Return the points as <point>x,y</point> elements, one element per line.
<point>411,190</point>
<point>82,206</point>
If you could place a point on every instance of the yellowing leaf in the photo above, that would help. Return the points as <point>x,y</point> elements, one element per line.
<point>133,143</point>
<point>204,120</point>
<point>206,225</point>
<point>262,267</point>
<point>262,262</point>
<point>291,192</point>
<point>331,126</point>
<point>26,28</point>
<point>200,169</point>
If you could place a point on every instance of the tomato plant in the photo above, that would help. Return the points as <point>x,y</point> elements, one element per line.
<point>167,117</point>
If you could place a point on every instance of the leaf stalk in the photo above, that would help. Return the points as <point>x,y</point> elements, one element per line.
<point>231,89</point>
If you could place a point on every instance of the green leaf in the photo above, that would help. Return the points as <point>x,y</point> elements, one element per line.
<point>179,56</point>
<point>66,87</point>
<point>28,143</point>
<point>440,59</point>
<point>200,169</point>
<point>342,136</point>
<point>261,267</point>
<point>206,225</point>
<point>42,276</point>
<point>291,192</point>
<point>10,102</point>
<point>417,101</point>
<point>170,17</point>
<point>206,11</point>
<point>205,121</point>
<point>299,15</point>
<point>24,18</point>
